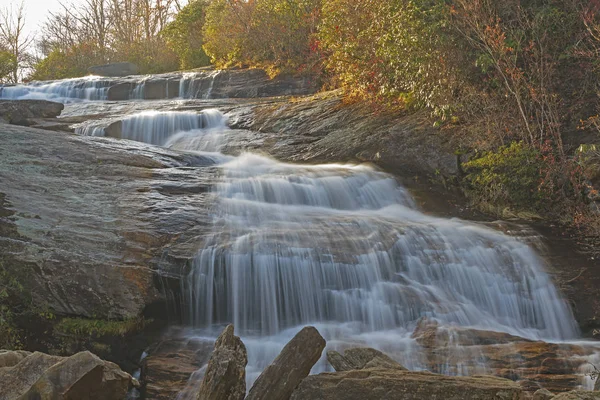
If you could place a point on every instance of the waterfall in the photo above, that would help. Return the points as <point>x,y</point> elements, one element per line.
<point>307,244</point>
<point>139,90</point>
<point>344,248</point>
<point>66,90</point>
<point>197,85</point>
<point>178,129</point>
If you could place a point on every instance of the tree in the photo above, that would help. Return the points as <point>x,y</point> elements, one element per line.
<point>14,39</point>
<point>184,35</point>
<point>278,35</point>
<point>7,63</point>
<point>395,51</point>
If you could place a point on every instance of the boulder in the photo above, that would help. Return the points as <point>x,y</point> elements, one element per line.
<point>170,363</point>
<point>11,358</point>
<point>543,394</point>
<point>24,112</point>
<point>390,384</point>
<point>114,69</point>
<point>597,386</point>
<point>578,395</point>
<point>361,358</point>
<point>97,258</point>
<point>534,365</point>
<point>225,376</point>
<point>292,365</point>
<point>82,376</point>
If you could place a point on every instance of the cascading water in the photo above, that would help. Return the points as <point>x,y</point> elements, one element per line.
<point>197,85</point>
<point>344,249</point>
<point>66,90</point>
<point>184,130</point>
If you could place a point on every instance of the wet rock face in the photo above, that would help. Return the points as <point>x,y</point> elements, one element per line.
<point>361,358</point>
<point>81,376</point>
<point>292,365</point>
<point>533,364</point>
<point>114,69</point>
<point>225,376</point>
<point>173,367</point>
<point>578,395</point>
<point>86,222</point>
<point>25,112</point>
<point>388,384</point>
<point>249,83</point>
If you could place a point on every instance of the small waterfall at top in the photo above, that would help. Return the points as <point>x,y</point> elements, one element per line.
<point>66,90</point>
<point>184,130</point>
<point>139,90</point>
<point>194,85</point>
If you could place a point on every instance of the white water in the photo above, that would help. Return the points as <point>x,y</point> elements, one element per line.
<point>193,85</point>
<point>95,88</point>
<point>177,129</point>
<point>343,248</point>
<point>66,90</point>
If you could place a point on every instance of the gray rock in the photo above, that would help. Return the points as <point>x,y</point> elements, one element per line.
<point>10,358</point>
<point>82,223</point>
<point>361,358</point>
<point>81,376</point>
<point>114,69</point>
<point>225,376</point>
<point>292,365</point>
<point>597,386</point>
<point>388,384</point>
<point>578,395</point>
<point>17,380</point>
<point>543,394</point>
<point>24,112</point>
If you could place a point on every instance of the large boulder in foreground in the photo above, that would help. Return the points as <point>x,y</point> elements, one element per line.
<point>114,69</point>
<point>388,384</point>
<point>24,112</point>
<point>292,365</point>
<point>361,358</point>
<point>82,376</point>
<point>10,358</point>
<point>225,376</point>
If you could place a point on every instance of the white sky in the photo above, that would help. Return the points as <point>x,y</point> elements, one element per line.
<point>36,11</point>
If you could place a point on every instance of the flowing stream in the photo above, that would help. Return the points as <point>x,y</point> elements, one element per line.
<point>340,247</point>
<point>344,248</point>
<point>187,85</point>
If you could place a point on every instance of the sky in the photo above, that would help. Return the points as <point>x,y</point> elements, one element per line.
<point>36,11</point>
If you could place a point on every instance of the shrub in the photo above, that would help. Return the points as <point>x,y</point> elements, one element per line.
<point>509,177</point>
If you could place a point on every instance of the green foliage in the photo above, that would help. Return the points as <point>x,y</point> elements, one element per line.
<point>10,288</point>
<point>184,35</point>
<point>277,35</point>
<point>17,311</point>
<point>60,65</point>
<point>224,31</point>
<point>7,64</point>
<point>395,51</point>
<point>152,56</point>
<point>98,327</point>
<point>509,177</point>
